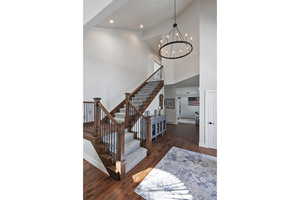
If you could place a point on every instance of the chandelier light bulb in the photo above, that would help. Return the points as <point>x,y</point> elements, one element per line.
<point>186,35</point>
<point>167,36</point>
<point>191,38</point>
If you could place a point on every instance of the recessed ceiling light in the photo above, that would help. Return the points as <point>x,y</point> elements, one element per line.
<point>141,26</point>
<point>111,21</point>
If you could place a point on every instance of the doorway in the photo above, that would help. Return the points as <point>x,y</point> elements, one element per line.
<point>183,117</point>
<point>188,109</point>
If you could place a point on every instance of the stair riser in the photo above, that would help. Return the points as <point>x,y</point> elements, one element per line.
<point>131,147</point>
<point>145,91</point>
<point>120,115</point>
<point>152,85</point>
<point>139,98</point>
<point>149,87</point>
<point>129,137</point>
<point>141,94</point>
<point>137,102</point>
<point>120,120</point>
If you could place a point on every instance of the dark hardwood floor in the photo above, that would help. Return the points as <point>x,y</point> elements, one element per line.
<point>99,186</point>
<point>188,132</point>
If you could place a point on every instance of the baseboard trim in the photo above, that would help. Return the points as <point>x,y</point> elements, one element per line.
<point>207,146</point>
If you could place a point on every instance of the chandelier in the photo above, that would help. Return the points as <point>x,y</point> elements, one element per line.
<point>174,45</point>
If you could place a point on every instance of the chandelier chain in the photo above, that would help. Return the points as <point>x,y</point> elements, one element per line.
<point>175,11</point>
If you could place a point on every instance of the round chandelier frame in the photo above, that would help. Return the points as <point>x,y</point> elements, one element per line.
<point>176,45</point>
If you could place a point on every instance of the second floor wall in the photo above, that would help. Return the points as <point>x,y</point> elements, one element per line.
<point>115,62</point>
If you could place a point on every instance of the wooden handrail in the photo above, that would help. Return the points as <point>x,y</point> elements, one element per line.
<point>108,114</point>
<point>131,94</point>
<point>154,73</point>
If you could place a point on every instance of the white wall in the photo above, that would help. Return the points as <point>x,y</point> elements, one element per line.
<point>115,62</point>
<point>208,55</point>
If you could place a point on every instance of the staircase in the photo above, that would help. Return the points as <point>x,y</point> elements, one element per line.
<point>140,99</point>
<point>122,137</point>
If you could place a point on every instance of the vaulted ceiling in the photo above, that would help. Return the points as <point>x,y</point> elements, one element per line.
<point>147,12</point>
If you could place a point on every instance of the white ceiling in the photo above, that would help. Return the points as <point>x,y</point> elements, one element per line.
<point>146,12</point>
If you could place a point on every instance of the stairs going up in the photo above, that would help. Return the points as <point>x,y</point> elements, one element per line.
<point>134,153</point>
<point>139,100</point>
<point>122,136</point>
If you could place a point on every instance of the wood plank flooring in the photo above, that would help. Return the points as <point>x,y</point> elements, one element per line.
<point>99,186</point>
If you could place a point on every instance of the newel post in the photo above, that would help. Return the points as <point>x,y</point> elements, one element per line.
<point>120,161</point>
<point>97,116</point>
<point>148,134</point>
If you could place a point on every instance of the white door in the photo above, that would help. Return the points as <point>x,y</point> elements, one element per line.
<point>211,118</point>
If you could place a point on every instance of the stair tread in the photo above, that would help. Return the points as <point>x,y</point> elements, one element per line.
<point>135,157</point>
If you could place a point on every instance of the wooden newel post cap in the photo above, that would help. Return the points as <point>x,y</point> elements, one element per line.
<point>97,99</point>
